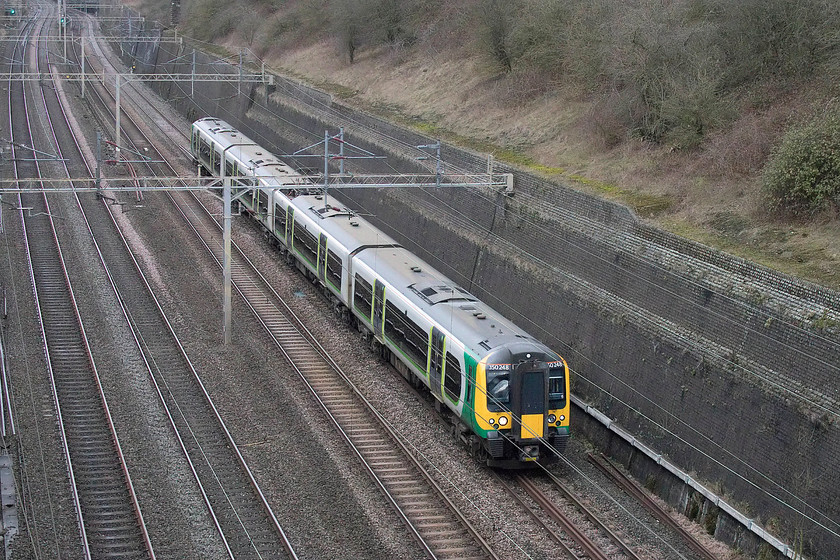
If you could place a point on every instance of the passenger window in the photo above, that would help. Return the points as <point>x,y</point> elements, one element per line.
<point>452,378</point>
<point>406,335</point>
<point>334,269</point>
<point>279,221</point>
<point>306,244</point>
<point>362,296</point>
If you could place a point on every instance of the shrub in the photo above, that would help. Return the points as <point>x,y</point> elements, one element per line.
<point>775,38</point>
<point>666,68</point>
<point>363,23</point>
<point>537,36</point>
<point>496,23</point>
<point>559,39</point>
<point>802,175</point>
<point>208,20</point>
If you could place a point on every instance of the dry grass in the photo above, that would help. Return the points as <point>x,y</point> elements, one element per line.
<point>552,129</point>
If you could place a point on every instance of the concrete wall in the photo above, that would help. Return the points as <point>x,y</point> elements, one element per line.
<point>725,367</point>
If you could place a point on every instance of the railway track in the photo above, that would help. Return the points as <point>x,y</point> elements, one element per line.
<point>110,521</point>
<point>584,544</point>
<point>431,517</point>
<point>354,427</point>
<point>240,513</point>
<point>622,480</point>
<point>245,521</point>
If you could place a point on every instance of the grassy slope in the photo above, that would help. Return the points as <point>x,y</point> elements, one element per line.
<point>444,86</point>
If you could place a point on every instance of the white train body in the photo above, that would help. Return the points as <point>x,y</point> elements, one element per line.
<point>508,391</point>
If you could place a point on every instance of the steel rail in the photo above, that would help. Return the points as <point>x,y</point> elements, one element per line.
<point>534,515</point>
<point>588,546</point>
<point>633,489</point>
<point>594,519</point>
<point>325,379</point>
<point>113,540</point>
<point>216,225</point>
<point>240,460</point>
<point>28,249</point>
<point>118,448</point>
<point>459,551</point>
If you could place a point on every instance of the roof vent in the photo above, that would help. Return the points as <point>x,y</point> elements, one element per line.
<point>354,224</point>
<point>480,315</point>
<point>415,269</point>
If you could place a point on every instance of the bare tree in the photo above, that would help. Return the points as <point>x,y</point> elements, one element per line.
<point>496,27</point>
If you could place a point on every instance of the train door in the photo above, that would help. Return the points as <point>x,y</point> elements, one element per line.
<point>436,361</point>
<point>378,307</point>
<point>290,227</point>
<point>269,212</point>
<point>280,222</point>
<point>322,258</point>
<point>529,399</point>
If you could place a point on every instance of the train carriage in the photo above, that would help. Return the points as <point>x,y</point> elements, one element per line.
<point>506,392</point>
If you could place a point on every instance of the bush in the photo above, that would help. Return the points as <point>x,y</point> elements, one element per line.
<point>802,175</point>
<point>208,20</point>
<point>366,23</point>
<point>537,35</point>
<point>558,39</point>
<point>775,38</point>
<point>666,70</point>
<point>495,29</point>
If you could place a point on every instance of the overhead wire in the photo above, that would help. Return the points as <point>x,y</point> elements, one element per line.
<point>481,194</point>
<point>478,508</point>
<point>690,281</point>
<point>680,420</point>
<point>574,278</point>
<point>400,142</point>
<point>647,398</point>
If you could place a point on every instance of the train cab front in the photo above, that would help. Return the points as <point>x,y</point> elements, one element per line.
<point>525,409</point>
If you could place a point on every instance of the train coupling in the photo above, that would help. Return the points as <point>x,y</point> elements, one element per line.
<point>529,453</point>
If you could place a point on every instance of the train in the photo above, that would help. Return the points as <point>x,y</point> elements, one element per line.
<point>505,392</point>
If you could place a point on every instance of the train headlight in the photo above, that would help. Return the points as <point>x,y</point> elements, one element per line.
<point>562,417</point>
<point>552,419</point>
<point>503,421</point>
<point>492,421</point>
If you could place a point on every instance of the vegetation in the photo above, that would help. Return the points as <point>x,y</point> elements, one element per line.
<point>803,174</point>
<point>672,69</point>
<point>669,72</point>
<point>366,23</point>
<point>711,117</point>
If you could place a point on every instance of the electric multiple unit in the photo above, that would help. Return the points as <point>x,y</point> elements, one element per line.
<point>507,393</point>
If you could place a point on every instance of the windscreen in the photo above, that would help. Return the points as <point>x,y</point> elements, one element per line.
<point>557,386</point>
<point>498,391</point>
